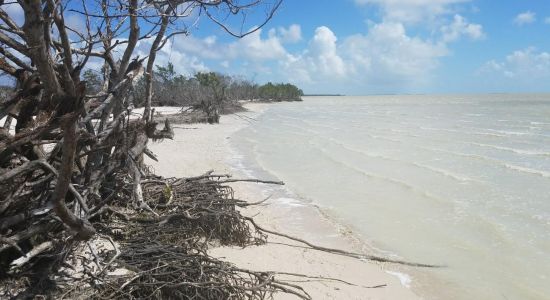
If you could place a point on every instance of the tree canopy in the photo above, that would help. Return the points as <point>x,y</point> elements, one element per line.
<point>173,89</point>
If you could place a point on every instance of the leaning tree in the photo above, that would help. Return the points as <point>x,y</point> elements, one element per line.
<point>64,146</point>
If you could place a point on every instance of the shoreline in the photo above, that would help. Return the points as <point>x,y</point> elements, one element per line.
<point>195,151</point>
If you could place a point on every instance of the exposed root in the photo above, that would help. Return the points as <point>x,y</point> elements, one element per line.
<point>154,253</point>
<point>144,255</point>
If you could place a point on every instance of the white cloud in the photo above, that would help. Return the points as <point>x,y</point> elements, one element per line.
<point>292,34</point>
<point>547,20</point>
<point>225,64</point>
<point>183,62</point>
<point>411,11</point>
<point>388,55</point>
<point>385,58</point>
<point>524,65</point>
<point>527,17</point>
<point>252,47</point>
<point>206,47</point>
<point>461,27</point>
<point>322,48</point>
<point>320,61</point>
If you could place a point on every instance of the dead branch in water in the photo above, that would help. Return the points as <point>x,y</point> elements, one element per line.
<point>322,278</point>
<point>339,251</point>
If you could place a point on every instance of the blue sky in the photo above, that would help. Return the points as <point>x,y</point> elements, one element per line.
<point>360,47</point>
<point>388,46</point>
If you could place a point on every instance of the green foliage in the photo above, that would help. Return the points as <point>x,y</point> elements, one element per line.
<point>210,89</point>
<point>217,83</point>
<point>280,92</point>
<point>93,81</point>
<point>168,76</point>
<point>209,79</point>
<point>165,73</point>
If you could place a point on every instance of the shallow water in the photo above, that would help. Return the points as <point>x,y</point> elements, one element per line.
<point>462,181</point>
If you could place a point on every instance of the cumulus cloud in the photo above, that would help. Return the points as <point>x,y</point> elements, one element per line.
<point>292,34</point>
<point>382,59</point>
<point>320,61</point>
<point>460,27</point>
<point>204,47</point>
<point>255,48</point>
<point>190,54</point>
<point>252,47</point>
<point>411,11</point>
<point>388,54</point>
<point>184,63</point>
<point>526,64</point>
<point>527,17</point>
<point>322,48</point>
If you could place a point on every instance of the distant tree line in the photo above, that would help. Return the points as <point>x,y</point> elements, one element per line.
<point>279,92</point>
<point>211,90</point>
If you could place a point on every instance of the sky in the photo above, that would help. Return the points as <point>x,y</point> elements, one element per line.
<point>357,47</point>
<point>360,47</point>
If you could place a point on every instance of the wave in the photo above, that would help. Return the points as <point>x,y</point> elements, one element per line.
<point>495,162</point>
<point>446,173</point>
<point>443,172</point>
<point>508,133</point>
<point>541,173</point>
<point>405,279</point>
<point>464,132</point>
<point>289,202</point>
<point>404,133</point>
<point>418,165</point>
<point>318,134</point>
<point>403,184</point>
<point>517,151</point>
<point>491,132</point>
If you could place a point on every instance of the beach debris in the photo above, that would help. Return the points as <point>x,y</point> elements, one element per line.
<point>157,254</point>
<point>360,256</point>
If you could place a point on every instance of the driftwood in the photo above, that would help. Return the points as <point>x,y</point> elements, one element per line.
<point>342,252</point>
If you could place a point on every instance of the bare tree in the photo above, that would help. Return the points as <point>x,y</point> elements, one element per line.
<point>68,143</point>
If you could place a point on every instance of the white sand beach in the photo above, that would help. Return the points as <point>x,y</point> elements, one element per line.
<point>202,147</point>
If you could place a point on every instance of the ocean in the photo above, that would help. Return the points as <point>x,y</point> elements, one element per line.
<point>461,181</point>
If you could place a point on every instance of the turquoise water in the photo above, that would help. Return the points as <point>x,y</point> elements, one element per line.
<point>462,181</point>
